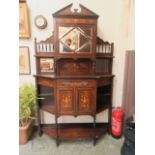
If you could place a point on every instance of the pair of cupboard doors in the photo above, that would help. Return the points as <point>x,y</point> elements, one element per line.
<point>76,97</point>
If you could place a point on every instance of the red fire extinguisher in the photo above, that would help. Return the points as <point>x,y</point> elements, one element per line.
<point>117,122</point>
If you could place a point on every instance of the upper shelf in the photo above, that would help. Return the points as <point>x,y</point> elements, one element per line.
<point>104,48</point>
<point>100,55</point>
<point>45,48</point>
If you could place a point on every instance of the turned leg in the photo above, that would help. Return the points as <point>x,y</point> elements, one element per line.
<point>94,125</point>
<point>39,121</point>
<point>57,142</point>
<point>94,141</point>
<point>109,121</point>
<point>110,110</point>
<point>57,131</point>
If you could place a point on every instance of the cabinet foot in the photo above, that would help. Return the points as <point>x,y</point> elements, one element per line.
<point>57,142</point>
<point>94,141</point>
<point>109,130</point>
<point>40,132</point>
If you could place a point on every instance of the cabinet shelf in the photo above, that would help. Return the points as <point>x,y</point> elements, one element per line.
<point>74,56</point>
<point>102,107</point>
<point>44,55</point>
<point>45,94</point>
<point>48,108</point>
<point>100,95</point>
<point>101,55</point>
<point>76,131</point>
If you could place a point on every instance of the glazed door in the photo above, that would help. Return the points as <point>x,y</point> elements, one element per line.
<point>65,101</point>
<point>86,100</point>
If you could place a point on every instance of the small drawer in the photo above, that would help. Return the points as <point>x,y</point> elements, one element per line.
<point>76,83</point>
<point>46,82</point>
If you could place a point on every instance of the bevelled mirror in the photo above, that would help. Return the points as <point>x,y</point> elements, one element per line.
<point>75,39</point>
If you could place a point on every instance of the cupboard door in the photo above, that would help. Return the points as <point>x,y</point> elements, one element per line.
<point>65,101</point>
<point>86,100</point>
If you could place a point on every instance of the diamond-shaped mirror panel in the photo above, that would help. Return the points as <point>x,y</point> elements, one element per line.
<point>74,39</point>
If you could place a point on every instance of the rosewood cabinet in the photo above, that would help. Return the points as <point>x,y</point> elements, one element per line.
<point>74,75</point>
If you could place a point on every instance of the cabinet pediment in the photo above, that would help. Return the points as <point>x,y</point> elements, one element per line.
<point>70,12</point>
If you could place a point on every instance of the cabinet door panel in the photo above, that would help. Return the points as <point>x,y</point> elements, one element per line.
<point>65,101</point>
<point>86,100</point>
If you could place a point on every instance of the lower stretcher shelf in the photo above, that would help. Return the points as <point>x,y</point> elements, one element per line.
<point>76,131</point>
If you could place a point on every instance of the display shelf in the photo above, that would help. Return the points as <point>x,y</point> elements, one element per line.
<point>45,94</point>
<point>44,55</point>
<point>48,108</point>
<point>102,107</point>
<point>101,55</point>
<point>102,95</point>
<point>79,131</point>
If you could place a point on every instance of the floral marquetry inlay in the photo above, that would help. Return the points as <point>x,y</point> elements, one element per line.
<point>66,99</point>
<point>84,99</point>
<point>74,67</point>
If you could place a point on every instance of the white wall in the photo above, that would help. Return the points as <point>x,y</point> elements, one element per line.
<point>115,24</point>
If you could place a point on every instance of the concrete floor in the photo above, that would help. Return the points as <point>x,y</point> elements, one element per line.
<point>46,145</point>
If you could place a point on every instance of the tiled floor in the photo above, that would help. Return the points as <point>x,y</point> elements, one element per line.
<point>45,145</point>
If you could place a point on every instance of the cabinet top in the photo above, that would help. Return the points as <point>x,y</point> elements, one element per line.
<point>74,77</point>
<point>71,12</point>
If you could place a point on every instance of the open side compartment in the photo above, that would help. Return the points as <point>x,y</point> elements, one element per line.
<point>103,97</point>
<point>47,101</point>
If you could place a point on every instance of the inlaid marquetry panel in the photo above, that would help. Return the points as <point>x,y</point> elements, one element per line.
<point>86,100</point>
<point>65,98</point>
<point>75,67</point>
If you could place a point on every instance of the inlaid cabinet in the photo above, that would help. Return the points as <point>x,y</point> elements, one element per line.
<point>74,75</point>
